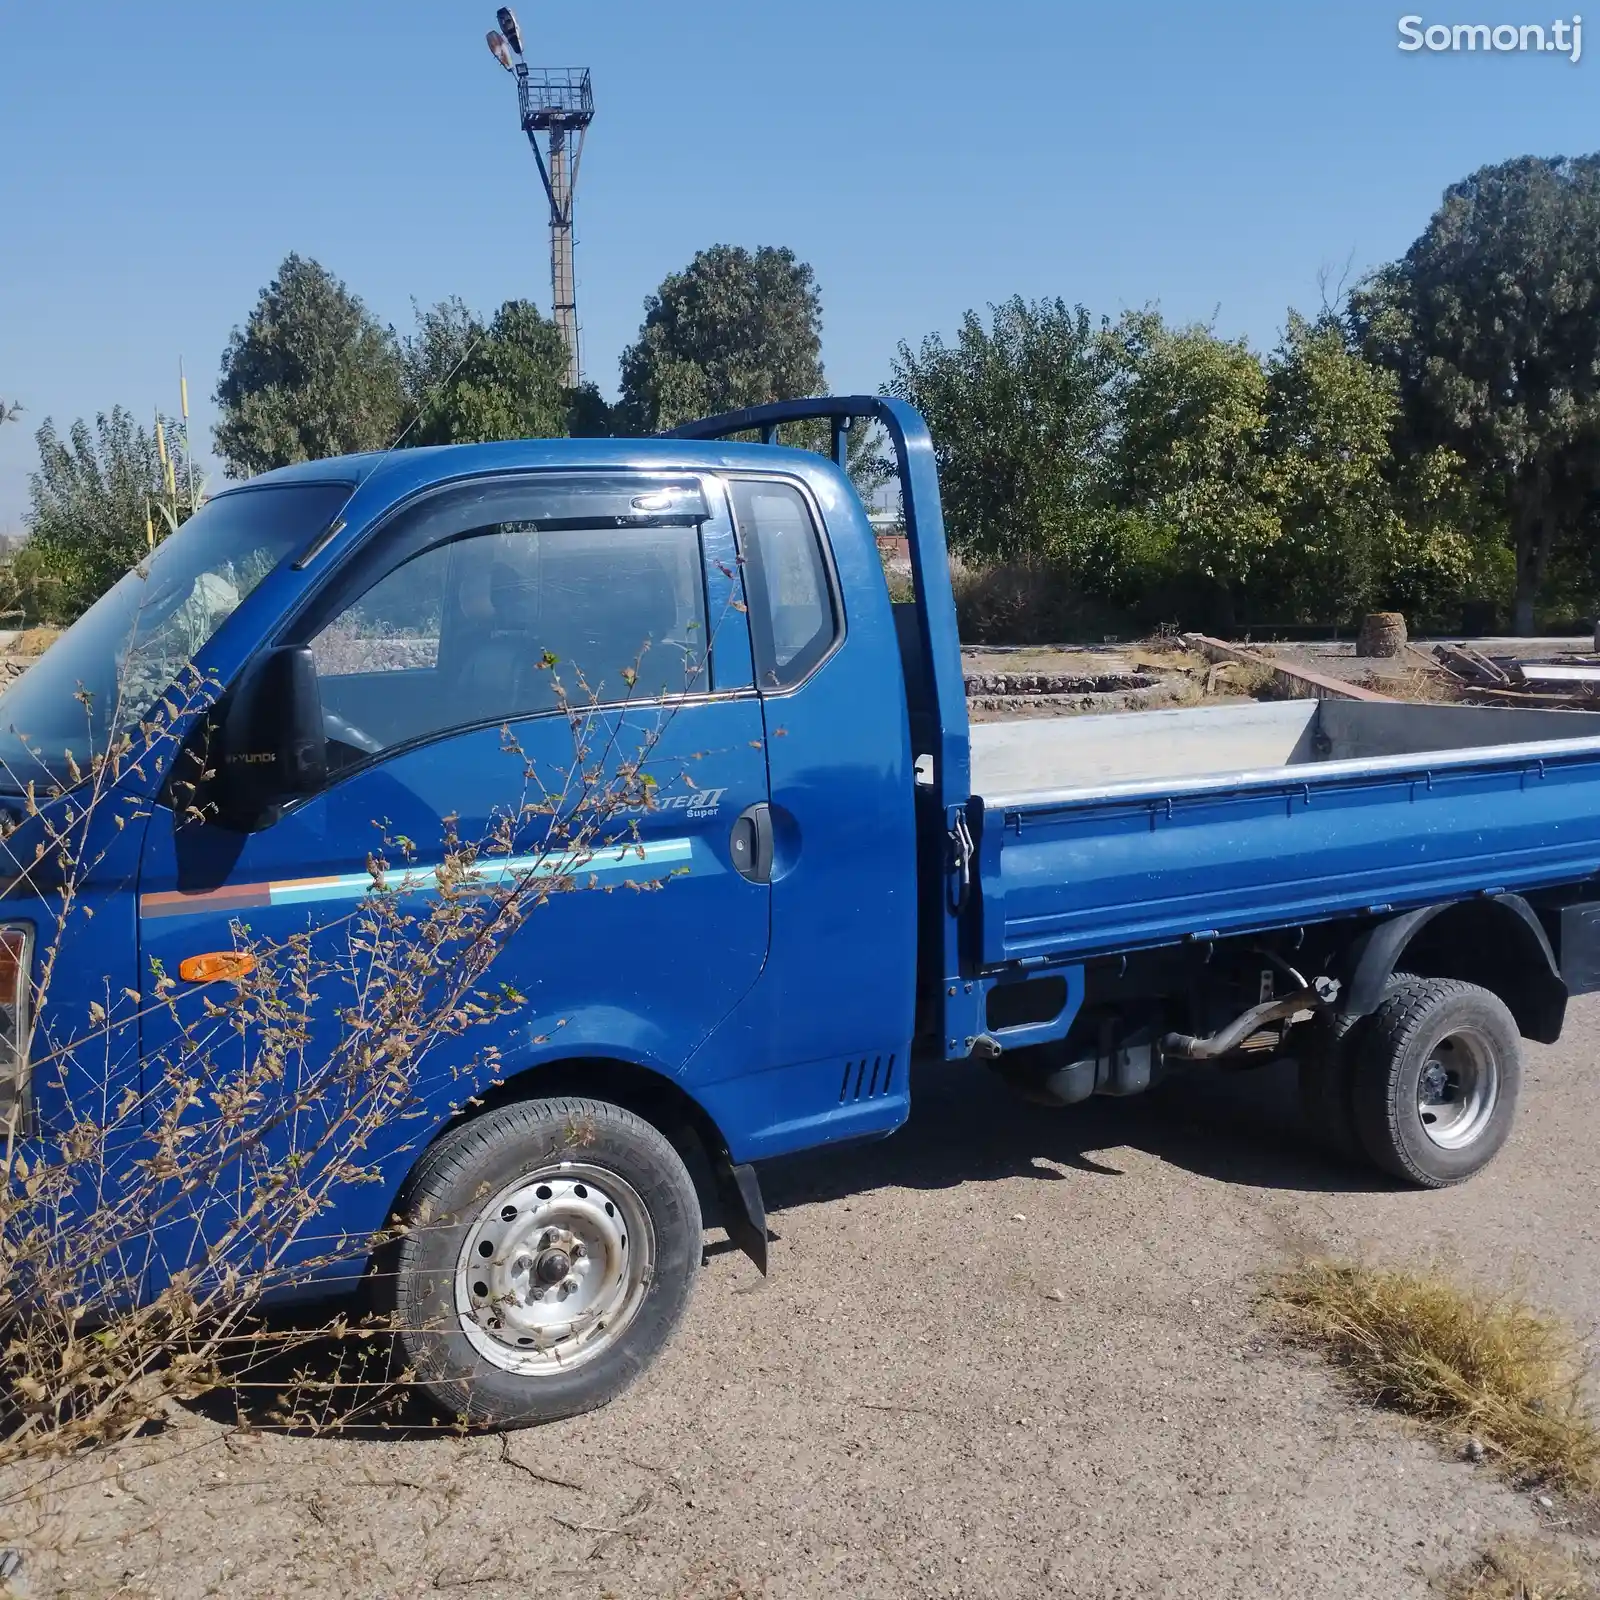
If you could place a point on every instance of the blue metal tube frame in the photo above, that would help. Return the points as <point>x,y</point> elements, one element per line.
<point>940,733</point>
<point>940,647</point>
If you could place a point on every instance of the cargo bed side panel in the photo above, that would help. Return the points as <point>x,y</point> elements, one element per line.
<point>1066,879</point>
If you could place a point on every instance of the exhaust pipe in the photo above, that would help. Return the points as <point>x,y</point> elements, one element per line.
<point>1194,1048</point>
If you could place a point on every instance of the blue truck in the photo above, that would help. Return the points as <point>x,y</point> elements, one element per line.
<point>830,881</point>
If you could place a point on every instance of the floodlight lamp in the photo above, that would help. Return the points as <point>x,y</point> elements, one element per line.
<point>497,47</point>
<point>507,19</point>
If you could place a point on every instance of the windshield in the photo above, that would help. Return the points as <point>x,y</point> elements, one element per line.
<point>106,673</point>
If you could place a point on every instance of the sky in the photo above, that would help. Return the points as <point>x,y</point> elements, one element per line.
<point>1222,160</point>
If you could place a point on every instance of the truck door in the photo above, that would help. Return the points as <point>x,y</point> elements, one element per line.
<point>488,657</point>
<point>819,1049</point>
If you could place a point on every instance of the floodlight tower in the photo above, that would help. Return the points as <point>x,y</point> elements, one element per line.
<point>555,102</point>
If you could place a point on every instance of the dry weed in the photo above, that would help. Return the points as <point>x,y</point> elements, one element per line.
<point>1519,1569</point>
<point>1470,1363</point>
<point>35,641</point>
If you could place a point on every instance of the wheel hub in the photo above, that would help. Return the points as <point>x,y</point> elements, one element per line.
<point>1435,1086</point>
<point>1458,1089</point>
<point>553,1268</point>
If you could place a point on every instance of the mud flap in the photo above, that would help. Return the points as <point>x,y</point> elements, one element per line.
<point>744,1211</point>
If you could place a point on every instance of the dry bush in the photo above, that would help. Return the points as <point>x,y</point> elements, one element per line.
<point>240,1132</point>
<point>35,641</point>
<point>1417,683</point>
<point>1020,605</point>
<point>1520,1569</point>
<point>1256,679</point>
<point>1467,1362</point>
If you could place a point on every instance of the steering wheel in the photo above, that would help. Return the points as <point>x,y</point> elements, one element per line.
<point>348,733</point>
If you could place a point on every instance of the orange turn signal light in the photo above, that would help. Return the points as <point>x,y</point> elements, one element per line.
<point>215,965</point>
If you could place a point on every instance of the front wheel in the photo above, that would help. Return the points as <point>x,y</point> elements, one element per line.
<point>551,1246</point>
<point>1436,1076</point>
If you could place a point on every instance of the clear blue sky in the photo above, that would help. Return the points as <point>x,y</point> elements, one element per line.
<point>160,159</point>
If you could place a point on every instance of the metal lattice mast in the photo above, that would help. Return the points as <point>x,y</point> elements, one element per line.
<point>556,106</point>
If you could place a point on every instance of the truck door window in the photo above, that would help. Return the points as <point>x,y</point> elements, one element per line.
<point>794,617</point>
<point>510,620</point>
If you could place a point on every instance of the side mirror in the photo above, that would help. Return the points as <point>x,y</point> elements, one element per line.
<point>273,748</point>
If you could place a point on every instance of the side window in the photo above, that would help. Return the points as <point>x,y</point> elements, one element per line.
<point>393,627</point>
<point>509,620</point>
<point>793,618</point>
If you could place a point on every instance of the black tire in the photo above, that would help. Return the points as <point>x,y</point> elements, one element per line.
<point>1423,1026</point>
<point>1327,1048</point>
<point>588,1150</point>
<point>1326,1089</point>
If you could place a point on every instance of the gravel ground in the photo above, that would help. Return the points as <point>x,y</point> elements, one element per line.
<point>1010,1352</point>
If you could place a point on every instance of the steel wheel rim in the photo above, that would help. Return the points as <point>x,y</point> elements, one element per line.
<point>554,1268</point>
<point>1458,1089</point>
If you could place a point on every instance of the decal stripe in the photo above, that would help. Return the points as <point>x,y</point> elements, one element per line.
<point>614,863</point>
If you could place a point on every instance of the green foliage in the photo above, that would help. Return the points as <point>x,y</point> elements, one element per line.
<point>1187,462</point>
<point>588,414</point>
<point>1492,324</point>
<point>469,381</point>
<point>1433,446</point>
<point>1175,474</point>
<point>1019,413</point>
<point>1449,553</point>
<point>734,328</point>
<point>9,413</point>
<point>1330,413</point>
<point>311,374</point>
<point>94,501</point>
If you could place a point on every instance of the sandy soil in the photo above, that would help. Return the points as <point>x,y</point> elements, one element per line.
<point>1009,1352</point>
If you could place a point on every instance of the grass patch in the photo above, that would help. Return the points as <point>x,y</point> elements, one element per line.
<point>1519,1569</point>
<point>35,641</point>
<point>1469,1364</point>
<point>1259,680</point>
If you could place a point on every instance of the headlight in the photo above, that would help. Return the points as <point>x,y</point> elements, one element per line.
<point>16,950</point>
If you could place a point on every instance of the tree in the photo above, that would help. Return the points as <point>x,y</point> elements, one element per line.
<point>1449,558</point>
<point>589,414</point>
<point>1018,413</point>
<point>1187,469</point>
<point>1492,323</point>
<point>9,413</point>
<point>470,381</point>
<point>97,501</point>
<point>734,328</point>
<point>311,374</point>
<point>1330,413</point>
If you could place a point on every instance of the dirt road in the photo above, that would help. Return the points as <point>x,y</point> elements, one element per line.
<point>1011,1352</point>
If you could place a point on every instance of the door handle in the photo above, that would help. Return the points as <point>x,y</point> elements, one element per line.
<point>750,843</point>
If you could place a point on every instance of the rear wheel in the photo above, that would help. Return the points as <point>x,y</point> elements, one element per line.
<point>1325,1086</point>
<point>1329,1046</point>
<point>551,1250</point>
<point>1435,1079</point>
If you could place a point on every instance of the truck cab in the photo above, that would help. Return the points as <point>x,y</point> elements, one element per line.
<point>653,686</point>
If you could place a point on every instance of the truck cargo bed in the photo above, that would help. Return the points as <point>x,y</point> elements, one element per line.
<point>1070,755</point>
<point>1112,833</point>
